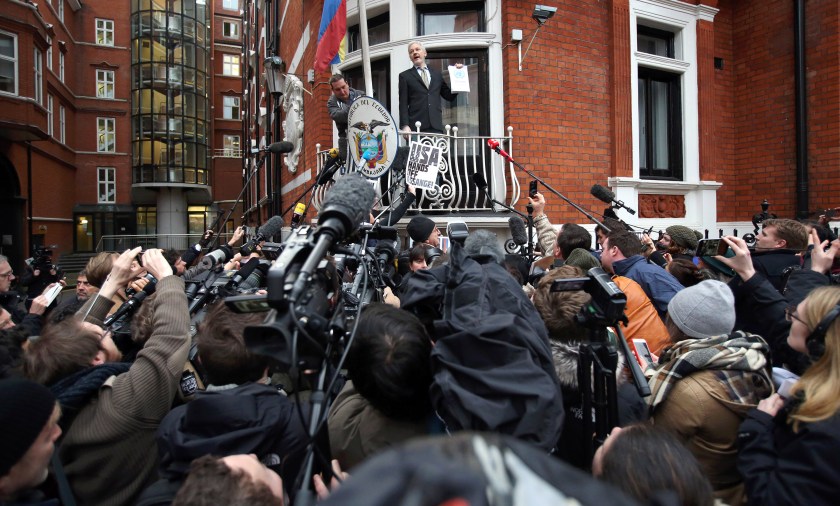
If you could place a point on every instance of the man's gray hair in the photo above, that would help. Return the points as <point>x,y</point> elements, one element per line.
<point>484,242</point>
<point>418,43</point>
<point>3,259</point>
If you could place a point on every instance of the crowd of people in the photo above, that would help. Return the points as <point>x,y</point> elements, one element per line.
<point>463,384</point>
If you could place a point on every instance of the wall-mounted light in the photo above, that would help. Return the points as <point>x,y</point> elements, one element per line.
<point>275,79</point>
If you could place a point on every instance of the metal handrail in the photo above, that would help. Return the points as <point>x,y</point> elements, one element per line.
<point>165,241</point>
<point>462,157</point>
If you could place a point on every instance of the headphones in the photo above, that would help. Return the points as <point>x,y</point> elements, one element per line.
<point>815,342</point>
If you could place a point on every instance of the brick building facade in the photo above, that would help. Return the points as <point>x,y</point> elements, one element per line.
<point>686,110</point>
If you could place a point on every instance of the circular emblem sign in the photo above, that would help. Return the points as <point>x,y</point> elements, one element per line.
<point>372,137</point>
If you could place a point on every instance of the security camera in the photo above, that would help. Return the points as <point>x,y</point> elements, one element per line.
<point>543,12</point>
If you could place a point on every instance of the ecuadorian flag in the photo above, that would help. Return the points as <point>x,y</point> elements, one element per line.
<point>332,36</point>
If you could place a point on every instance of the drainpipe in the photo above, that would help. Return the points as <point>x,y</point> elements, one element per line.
<point>801,111</point>
<point>28,199</point>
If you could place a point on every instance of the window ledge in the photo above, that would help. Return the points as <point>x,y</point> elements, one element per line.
<point>647,186</point>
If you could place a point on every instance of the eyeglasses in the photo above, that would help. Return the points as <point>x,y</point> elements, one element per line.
<point>7,323</point>
<point>7,274</point>
<point>790,315</point>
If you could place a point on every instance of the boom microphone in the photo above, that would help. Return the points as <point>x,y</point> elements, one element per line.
<point>494,145</point>
<point>243,273</point>
<point>346,205</point>
<point>604,195</point>
<point>276,148</point>
<point>517,230</point>
<point>479,181</point>
<point>268,229</point>
<point>330,168</point>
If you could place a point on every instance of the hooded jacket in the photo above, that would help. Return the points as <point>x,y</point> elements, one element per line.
<point>250,418</point>
<point>659,285</point>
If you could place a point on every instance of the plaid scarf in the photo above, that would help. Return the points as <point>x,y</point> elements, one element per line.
<point>729,356</point>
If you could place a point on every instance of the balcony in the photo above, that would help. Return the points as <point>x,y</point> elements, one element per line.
<point>455,191</point>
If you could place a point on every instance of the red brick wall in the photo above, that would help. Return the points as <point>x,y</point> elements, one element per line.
<point>763,111</point>
<point>564,134</point>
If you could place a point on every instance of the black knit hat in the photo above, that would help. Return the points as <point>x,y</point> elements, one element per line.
<point>420,228</point>
<point>25,408</point>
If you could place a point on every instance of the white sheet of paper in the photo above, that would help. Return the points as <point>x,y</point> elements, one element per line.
<point>459,79</point>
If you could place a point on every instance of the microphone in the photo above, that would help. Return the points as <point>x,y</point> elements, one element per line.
<point>276,148</point>
<point>604,195</point>
<point>517,230</point>
<point>272,227</point>
<point>242,274</point>
<point>330,168</point>
<point>297,214</point>
<point>494,145</point>
<point>479,181</point>
<point>346,205</point>
<point>131,305</point>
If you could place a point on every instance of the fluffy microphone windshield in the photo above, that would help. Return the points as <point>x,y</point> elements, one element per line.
<point>270,228</point>
<point>346,205</point>
<point>602,194</point>
<point>517,230</point>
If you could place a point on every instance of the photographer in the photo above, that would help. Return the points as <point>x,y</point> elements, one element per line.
<point>40,273</point>
<point>111,410</point>
<point>10,301</point>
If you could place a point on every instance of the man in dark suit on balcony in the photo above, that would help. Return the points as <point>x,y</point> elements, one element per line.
<point>421,90</point>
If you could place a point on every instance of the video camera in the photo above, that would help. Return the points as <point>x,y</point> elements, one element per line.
<point>608,301</point>
<point>42,259</point>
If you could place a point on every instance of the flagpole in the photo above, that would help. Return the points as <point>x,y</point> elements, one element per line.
<point>363,31</point>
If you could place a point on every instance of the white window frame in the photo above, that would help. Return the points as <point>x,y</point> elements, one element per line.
<point>234,32</point>
<point>14,59</point>
<point>106,179</point>
<point>232,145</point>
<point>230,5</point>
<point>61,66</point>
<point>680,19</point>
<point>62,123</point>
<point>228,108</point>
<point>61,10</point>
<point>106,29</point>
<point>49,54</point>
<point>231,62</point>
<point>38,75</point>
<point>105,81</point>
<point>106,131</point>
<point>50,118</point>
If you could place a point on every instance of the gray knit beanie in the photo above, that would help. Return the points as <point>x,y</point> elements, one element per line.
<point>706,309</point>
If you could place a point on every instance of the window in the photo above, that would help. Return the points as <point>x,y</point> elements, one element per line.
<point>230,29</point>
<point>230,65</point>
<point>230,5</point>
<point>38,77</point>
<point>62,121</point>
<point>660,125</point>
<point>379,31</point>
<point>655,42</point>
<point>49,54</point>
<point>8,63</point>
<point>105,32</point>
<point>61,66</point>
<point>50,115</point>
<point>450,18</point>
<point>61,10</point>
<point>231,108</point>
<point>231,144</point>
<point>104,83</point>
<point>107,183</point>
<point>106,137</point>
